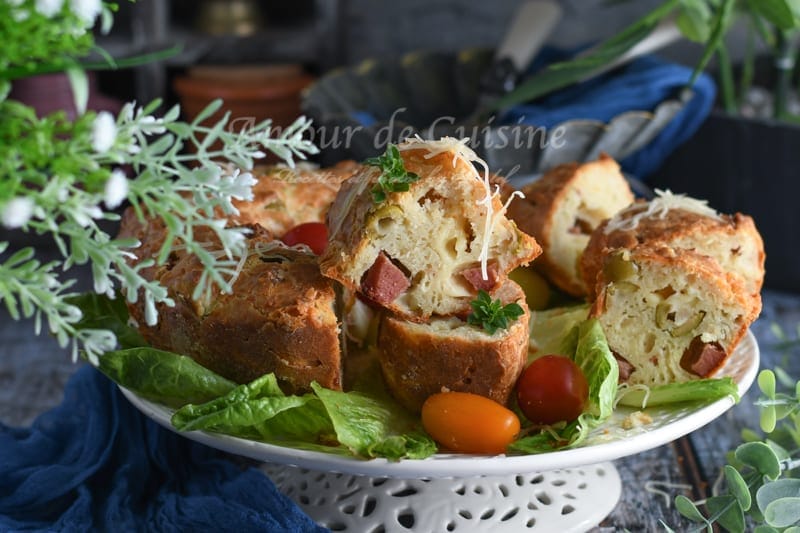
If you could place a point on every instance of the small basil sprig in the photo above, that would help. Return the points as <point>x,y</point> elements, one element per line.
<point>492,315</point>
<point>394,176</point>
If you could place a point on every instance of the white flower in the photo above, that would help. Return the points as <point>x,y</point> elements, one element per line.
<point>104,132</point>
<point>240,186</point>
<point>151,125</point>
<point>83,214</point>
<point>87,10</point>
<point>49,8</point>
<point>116,189</point>
<point>17,212</point>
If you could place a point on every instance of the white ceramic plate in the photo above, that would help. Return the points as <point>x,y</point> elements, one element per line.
<point>608,442</point>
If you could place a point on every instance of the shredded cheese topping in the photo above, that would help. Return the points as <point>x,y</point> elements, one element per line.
<point>658,207</point>
<point>461,151</point>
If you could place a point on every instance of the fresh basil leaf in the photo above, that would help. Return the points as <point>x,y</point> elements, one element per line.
<point>163,377</point>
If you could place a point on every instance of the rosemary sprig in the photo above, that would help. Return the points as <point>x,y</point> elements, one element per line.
<point>492,315</point>
<point>394,176</point>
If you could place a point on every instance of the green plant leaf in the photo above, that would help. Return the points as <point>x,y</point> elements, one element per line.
<point>777,12</point>
<point>776,490</point>
<point>80,88</point>
<point>766,382</point>
<point>694,20</point>
<point>687,508</point>
<point>783,512</point>
<point>738,487</point>
<point>761,457</point>
<point>766,529</point>
<point>728,513</point>
<point>768,418</point>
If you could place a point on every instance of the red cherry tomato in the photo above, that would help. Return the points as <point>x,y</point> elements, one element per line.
<point>552,389</point>
<point>469,423</point>
<point>312,234</point>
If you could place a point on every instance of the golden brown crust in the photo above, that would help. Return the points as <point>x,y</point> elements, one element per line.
<point>560,210</point>
<point>419,360</point>
<point>731,240</point>
<point>284,198</point>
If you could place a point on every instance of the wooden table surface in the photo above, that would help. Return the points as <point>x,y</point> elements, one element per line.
<point>33,371</point>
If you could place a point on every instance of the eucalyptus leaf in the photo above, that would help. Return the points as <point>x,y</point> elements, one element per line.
<point>761,457</point>
<point>783,512</point>
<point>776,490</point>
<point>694,20</point>
<point>766,382</point>
<point>768,418</point>
<point>738,487</point>
<point>766,529</point>
<point>687,508</point>
<point>728,513</point>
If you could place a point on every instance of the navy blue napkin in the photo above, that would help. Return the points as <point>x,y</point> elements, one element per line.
<point>638,86</point>
<point>95,463</point>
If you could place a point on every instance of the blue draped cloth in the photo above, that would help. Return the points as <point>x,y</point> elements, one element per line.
<point>640,85</point>
<point>95,463</point>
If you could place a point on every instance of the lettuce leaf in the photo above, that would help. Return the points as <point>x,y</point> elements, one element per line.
<point>551,328</point>
<point>593,355</point>
<point>709,389</point>
<point>163,377</point>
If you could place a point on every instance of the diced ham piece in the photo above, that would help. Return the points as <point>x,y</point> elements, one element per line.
<point>625,368</point>
<point>384,281</point>
<point>702,358</point>
<point>475,277</point>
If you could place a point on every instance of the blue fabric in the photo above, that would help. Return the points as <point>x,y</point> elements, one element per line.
<point>641,85</point>
<point>94,463</point>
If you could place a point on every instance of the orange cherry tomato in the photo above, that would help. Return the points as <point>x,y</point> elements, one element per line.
<point>312,234</point>
<point>469,423</point>
<point>552,389</point>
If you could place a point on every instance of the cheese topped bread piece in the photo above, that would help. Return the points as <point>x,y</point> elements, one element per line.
<point>562,208</point>
<point>429,249</point>
<point>682,222</point>
<point>669,315</point>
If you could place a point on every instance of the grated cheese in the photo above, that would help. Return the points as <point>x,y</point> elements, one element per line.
<point>658,207</point>
<point>461,151</point>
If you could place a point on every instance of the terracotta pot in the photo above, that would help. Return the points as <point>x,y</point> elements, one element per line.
<point>48,93</point>
<point>251,94</point>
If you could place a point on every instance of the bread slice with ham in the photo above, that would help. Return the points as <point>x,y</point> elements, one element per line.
<point>426,251</point>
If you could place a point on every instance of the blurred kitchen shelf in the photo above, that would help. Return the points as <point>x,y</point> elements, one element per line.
<point>152,25</point>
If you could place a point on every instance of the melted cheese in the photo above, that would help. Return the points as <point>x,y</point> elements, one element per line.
<point>658,207</point>
<point>461,151</point>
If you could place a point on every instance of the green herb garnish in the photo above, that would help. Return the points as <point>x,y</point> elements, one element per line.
<point>394,176</point>
<point>492,315</point>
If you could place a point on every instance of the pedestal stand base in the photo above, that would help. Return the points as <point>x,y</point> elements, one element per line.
<point>562,501</point>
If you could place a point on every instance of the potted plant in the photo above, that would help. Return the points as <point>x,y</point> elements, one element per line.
<point>63,179</point>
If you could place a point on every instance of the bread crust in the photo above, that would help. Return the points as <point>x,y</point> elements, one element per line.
<point>433,232</point>
<point>664,300</point>
<point>446,354</point>
<point>731,240</point>
<point>284,197</point>
<point>562,208</point>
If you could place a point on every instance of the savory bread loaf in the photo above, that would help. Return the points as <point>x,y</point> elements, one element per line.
<point>562,208</point>
<point>279,318</point>
<point>419,360</point>
<point>428,250</point>
<point>286,197</point>
<point>681,222</point>
<point>669,314</point>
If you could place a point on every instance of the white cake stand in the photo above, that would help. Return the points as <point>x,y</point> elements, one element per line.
<point>549,492</point>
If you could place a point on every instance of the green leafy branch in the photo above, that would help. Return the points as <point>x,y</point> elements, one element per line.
<point>493,315</point>
<point>394,176</point>
<point>759,480</point>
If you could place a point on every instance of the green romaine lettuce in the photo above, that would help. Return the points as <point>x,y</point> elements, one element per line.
<point>698,390</point>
